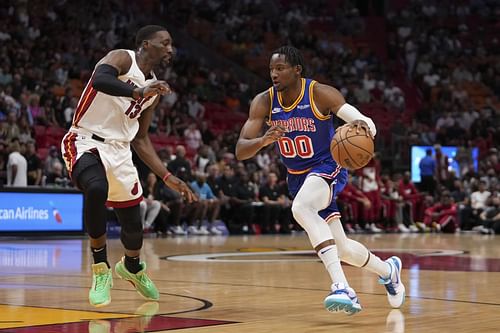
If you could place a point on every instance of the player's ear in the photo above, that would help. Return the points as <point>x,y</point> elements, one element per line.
<point>298,69</point>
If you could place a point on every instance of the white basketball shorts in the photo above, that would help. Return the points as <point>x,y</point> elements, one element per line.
<point>124,186</point>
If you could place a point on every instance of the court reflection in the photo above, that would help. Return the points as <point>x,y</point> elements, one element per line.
<point>61,255</point>
<point>145,314</point>
<point>395,322</point>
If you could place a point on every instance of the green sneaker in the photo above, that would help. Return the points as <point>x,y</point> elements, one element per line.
<point>102,281</point>
<point>141,282</point>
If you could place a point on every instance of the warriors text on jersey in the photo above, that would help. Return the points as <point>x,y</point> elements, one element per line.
<point>306,142</point>
<point>113,117</point>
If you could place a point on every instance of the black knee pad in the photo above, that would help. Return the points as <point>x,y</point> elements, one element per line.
<point>131,232</point>
<point>90,176</point>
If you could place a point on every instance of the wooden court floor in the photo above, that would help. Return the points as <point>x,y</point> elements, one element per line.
<point>251,284</point>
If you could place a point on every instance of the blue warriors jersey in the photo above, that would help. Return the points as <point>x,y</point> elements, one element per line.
<point>306,143</point>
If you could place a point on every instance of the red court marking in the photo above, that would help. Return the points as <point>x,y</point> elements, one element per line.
<point>131,324</point>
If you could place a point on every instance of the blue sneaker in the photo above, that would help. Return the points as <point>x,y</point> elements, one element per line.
<point>393,284</point>
<point>342,298</point>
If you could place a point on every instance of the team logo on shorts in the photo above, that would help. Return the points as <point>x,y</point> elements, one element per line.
<point>135,189</point>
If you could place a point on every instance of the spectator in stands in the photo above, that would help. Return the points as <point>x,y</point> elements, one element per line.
<point>392,206</point>
<point>427,173</point>
<point>412,198</point>
<point>69,111</point>
<point>34,164</point>
<point>490,217</point>
<point>53,162</point>
<point>263,159</point>
<point>10,129</point>
<point>192,136</point>
<point>3,162</point>
<point>225,188</point>
<point>358,204</point>
<point>369,183</point>
<point>244,201</point>
<point>57,176</point>
<point>166,155</point>
<point>478,201</point>
<point>17,166</point>
<point>277,207</point>
<point>204,158</point>
<point>149,207</point>
<point>196,110</point>
<point>210,205</point>
<point>36,114</point>
<point>173,204</point>
<point>443,215</point>
<point>441,164</point>
<point>206,133</point>
<point>180,167</point>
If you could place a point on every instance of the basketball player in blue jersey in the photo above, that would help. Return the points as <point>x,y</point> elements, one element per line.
<point>298,112</point>
<point>113,114</point>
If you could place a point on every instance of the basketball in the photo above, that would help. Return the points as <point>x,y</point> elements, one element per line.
<point>351,150</point>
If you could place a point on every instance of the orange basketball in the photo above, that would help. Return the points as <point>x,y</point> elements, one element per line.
<point>351,150</point>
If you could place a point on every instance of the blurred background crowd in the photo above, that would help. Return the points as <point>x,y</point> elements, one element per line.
<point>427,72</point>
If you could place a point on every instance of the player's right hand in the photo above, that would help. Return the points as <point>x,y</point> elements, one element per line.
<point>154,88</point>
<point>273,134</point>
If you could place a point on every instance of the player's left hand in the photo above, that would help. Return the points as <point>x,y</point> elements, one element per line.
<point>358,125</point>
<point>181,187</point>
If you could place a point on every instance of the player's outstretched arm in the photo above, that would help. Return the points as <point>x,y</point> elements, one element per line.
<point>249,142</point>
<point>145,149</point>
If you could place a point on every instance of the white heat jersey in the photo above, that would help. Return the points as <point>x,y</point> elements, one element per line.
<point>113,117</point>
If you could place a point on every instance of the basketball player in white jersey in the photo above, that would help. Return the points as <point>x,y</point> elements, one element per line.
<point>115,112</point>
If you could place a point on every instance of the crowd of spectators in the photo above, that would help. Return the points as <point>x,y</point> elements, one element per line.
<point>48,50</point>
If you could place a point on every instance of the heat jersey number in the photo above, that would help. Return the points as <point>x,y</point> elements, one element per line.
<point>301,146</point>
<point>135,107</point>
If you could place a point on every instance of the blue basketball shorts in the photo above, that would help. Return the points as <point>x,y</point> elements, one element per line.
<point>333,174</point>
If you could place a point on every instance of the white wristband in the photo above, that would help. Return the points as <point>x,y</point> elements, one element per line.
<point>349,113</point>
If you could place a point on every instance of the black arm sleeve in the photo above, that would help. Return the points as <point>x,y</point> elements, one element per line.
<point>106,81</point>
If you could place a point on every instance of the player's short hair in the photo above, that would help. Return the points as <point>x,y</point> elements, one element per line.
<point>147,32</point>
<point>292,56</point>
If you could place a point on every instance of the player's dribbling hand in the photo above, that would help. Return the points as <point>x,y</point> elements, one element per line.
<point>358,125</point>
<point>181,187</point>
<point>273,134</point>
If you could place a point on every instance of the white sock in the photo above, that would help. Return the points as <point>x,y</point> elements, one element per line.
<point>330,259</point>
<point>357,254</point>
<point>378,266</point>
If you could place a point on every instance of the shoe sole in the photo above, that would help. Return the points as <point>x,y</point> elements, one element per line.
<point>101,304</point>
<point>340,305</point>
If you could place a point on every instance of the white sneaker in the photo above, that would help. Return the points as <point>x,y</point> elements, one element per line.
<point>413,228</point>
<point>203,231</point>
<point>177,230</point>
<point>342,298</point>
<point>393,284</point>
<point>403,228</point>
<point>375,229</point>
<point>214,231</point>
<point>192,230</point>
